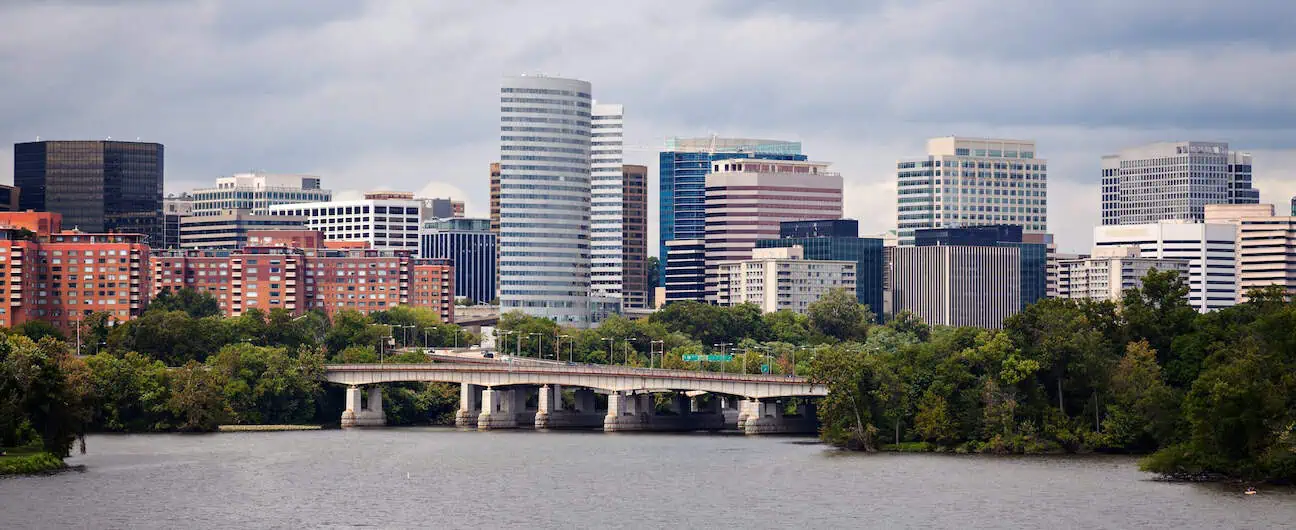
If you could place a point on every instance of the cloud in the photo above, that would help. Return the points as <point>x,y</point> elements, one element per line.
<point>402,94</point>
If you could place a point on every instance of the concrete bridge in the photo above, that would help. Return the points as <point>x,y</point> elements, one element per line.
<point>502,395</point>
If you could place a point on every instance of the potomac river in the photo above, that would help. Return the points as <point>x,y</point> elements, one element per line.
<point>443,478</point>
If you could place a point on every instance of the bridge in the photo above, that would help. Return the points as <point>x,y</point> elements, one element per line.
<point>503,395</point>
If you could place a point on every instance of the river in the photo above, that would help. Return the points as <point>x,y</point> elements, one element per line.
<point>442,478</point>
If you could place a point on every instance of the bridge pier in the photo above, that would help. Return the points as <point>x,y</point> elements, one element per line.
<point>360,414</point>
<point>621,413</point>
<point>767,418</point>
<point>469,405</point>
<point>498,410</point>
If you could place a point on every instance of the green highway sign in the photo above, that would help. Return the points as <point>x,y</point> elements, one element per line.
<point>708,358</point>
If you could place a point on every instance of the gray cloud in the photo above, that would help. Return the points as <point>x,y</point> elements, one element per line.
<point>402,94</point>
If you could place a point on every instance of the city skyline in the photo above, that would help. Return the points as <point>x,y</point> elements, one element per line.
<point>249,87</point>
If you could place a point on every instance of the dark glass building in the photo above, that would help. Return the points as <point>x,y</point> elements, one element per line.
<point>98,186</point>
<point>838,239</point>
<point>1034,256</point>
<point>470,245</point>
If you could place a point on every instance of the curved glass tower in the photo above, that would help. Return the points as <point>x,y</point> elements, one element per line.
<point>544,238</point>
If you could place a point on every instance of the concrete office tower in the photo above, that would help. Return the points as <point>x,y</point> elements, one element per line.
<point>1173,181</point>
<point>1033,271</point>
<point>960,285</point>
<point>747,199</point>
<point>174,209</point>
<point>257,192</point>
<point>607,199</point>
<point>383,220</point>
<point>229,229</point>
<point>1109,273</point>
<point>1266,245</point>
<point>781,278</point>
<point>98,186</point>
<point>970,182</point>
<point>682,170</point>
<point>1209,248</point>
<point>634,237</point>
<point>545,198</point>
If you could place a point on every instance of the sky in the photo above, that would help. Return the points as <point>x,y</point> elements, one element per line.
<point>403,95</point>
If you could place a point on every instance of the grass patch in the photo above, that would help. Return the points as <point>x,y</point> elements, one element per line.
<point>27,460</point>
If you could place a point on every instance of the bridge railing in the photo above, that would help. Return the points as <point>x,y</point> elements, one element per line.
<point>584,369</point>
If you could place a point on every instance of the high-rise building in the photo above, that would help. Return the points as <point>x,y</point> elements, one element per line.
<point>838,240</point>
<point>958,285</point>
<point>1293,206</point>
<point>1109,273</point>
<point>634,236</point>
<point>174,208</point>
<point>256,192</point>
<point>1173,181</point>
<point>1033,270</point>
<point>230,229</point>
<point>781,278</point>
<point>471,246</point>
<point>972,181</point>
<point>747,199</point>
<point>98,186</point>
<point>494,197</point>
<point>302,279</point>
<point>545,198</point>
<point>1266,245</point>
<point>686,276</point>
<point>606,200</point>
<point>682,171</point>
<point>383,220</point>
<point>1209,248</point>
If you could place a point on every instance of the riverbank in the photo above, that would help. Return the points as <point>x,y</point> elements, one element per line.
<point>29,461</point>
<point>267,428</point>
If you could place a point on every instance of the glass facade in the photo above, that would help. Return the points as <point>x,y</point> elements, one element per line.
<point>838,240</point>
<point>98,186</point>
<point>682,172</point>
<point>470,245</point>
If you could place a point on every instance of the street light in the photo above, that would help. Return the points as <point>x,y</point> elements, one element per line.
<point>571,353</point>
<point>625,350</point>
<point>609,340</point>
<point>540,347</point>
<point>503,346</point>
<point>652,349</point>
<point>722,352</point>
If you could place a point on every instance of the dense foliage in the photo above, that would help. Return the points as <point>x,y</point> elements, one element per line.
<point>1211,394</point>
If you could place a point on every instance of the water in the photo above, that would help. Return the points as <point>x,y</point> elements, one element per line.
<point>441,478</point>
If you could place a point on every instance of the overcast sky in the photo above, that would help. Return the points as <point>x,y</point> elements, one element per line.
<point>404,94</point>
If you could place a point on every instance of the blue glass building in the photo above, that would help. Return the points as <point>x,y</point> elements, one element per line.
<point>470,245</point>
<point>838,239</point>
<point>683,167</point>
<point>1034,256</point>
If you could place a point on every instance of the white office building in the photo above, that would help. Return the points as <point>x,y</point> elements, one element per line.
<point>1173,181</point>
<point>544,198</point>
<point>607,195</point>
<point>957,285</point>
<point>257,192</point>
<point>1266,245</point>
<point>384,220</point>
<point>1110,272</point>
<point>780,278</point>
<point>1209,248</point>
<point>969,182</point>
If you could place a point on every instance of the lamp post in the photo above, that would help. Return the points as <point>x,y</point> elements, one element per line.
<point>609,341</point>
<point>652,348</point>
<point>625,350</point>
<point>540,346</point>
<point>503,348</point>
<point>571,353</point>
<point>722,352</point>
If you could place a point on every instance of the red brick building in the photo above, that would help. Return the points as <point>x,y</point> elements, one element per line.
<point>301,279</point>
<point>62,276</point>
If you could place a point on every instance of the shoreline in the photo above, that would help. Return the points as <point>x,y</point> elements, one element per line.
<point>267,428</point>
<point>30,464</point>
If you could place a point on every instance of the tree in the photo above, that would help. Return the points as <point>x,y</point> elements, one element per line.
<point>847,412</point>
<point>1143,411</point>
<point>39,329</point>
<point>37,394</point>
<point>131,392</point>
<point>197,304</point>
<point>1158,311</point>
<point>839,314</point>
<point>197,398</point>
<point>351,328</point>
